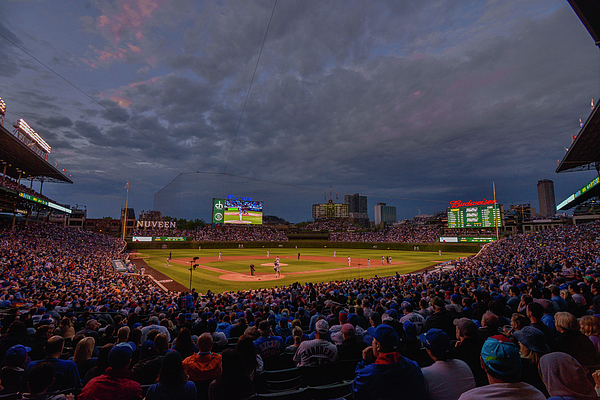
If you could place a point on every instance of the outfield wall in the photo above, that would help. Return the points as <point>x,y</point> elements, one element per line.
<point>311,244</point>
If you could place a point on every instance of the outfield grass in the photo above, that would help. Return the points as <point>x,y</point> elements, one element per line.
<point>204,280</point>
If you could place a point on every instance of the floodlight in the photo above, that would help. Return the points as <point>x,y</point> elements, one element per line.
<point>24,128</point>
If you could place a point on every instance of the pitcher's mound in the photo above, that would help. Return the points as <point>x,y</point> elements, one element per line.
<point>258,277</point>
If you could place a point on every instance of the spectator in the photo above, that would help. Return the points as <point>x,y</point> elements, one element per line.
<point>234,383</point>
<point>297,337</point>
<point>590,327</point>
<point>41,378</point>
<point>147,369</point>
<point>115,383</point>
<point>83,355</point>
<point>172,381</point>
<point>101,364</point>
<point>14,370</point>
<point>533,346</point>
<point>565,377</point>
<point>447,378</point>
<point>183,343</point>
<point>351,348</point>
<point>319,350</point>
<point>502,363</point>
<point>267,345</point>
<point>440,319</point>
<point>204,366</point>
<point>386,374</point>
<point>252,361</point>
<point>66,372</point>
<point>571,341</point>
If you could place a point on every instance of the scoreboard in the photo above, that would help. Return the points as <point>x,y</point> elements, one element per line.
<point>487,216</point>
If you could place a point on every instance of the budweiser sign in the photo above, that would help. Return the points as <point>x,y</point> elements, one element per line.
<point>471,203</point>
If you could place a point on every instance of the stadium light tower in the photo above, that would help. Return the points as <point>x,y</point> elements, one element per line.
<point>192,267</point>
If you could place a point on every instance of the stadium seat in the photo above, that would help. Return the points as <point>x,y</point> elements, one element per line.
<point>297,394</point>
<point>346,369</point>
<point>318,375</point>
<point>326,392</point>
<point>262,381</point>
<point>281,386</point>
<point>283,361</point>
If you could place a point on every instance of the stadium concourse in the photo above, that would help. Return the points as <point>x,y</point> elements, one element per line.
<point>521,302</point>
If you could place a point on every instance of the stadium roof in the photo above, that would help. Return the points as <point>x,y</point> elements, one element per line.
<point>584,153</point>
<point>588,12</point>
<point>19,157</point>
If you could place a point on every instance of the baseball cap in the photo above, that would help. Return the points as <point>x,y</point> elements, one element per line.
<point>436,340</point>
<point>533,339</point>
<point>322,326</point>
<point>466,326</point>
<point>120,355</point>
<point>347,328</point>
<point>410,330</point>
<point>154,319</point>
<point>386,336</point>
<point>392,313</point>
<point>501,355</point>
<point>17,352</point>
<point>148,345</point>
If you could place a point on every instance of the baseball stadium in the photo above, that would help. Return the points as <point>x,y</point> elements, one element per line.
<point>476,300</point>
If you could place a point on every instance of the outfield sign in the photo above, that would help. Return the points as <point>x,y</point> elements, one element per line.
<point>458,239</point>
<point>474,214</point>
<point>142,238</point>
<point>169,239</point>
<point>156,224</point>
<point>218,214</point>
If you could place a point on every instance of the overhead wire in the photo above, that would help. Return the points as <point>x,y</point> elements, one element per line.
<point>250,87</point>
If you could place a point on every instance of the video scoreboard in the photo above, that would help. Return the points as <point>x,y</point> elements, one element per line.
<point>237,210</point>
<point>480,216</point>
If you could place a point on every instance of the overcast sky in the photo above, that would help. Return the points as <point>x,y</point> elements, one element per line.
<point>411,103</point>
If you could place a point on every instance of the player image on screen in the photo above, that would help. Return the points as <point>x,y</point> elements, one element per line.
<point>243,212</point>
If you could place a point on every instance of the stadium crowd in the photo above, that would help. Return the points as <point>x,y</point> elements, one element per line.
<point>397,233</point>
<point>330,225</point>
<point>11,184</point>
<point>520,320</point>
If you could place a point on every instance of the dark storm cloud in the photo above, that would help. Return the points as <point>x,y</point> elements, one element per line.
<point>403,99</point>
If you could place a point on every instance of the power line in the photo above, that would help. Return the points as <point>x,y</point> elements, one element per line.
<point>303,187</point>
<point>249,88</point>
<point>95,101</point>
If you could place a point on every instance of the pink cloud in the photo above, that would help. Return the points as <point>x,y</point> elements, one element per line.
<point>121,101</point>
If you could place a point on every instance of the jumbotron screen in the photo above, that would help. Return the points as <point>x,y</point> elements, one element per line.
<point>237,211</point>
<point>487,216</point>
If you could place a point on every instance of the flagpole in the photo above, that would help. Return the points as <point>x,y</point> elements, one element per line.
<point>126,205</point>
<point>495,209</point>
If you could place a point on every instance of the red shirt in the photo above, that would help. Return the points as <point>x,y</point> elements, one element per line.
<point>115,384</point>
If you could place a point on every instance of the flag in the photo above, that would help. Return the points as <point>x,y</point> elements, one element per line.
<point>127,185</point>
<point>574,137</point>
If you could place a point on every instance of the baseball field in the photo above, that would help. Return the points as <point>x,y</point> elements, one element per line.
<point>229,269</point>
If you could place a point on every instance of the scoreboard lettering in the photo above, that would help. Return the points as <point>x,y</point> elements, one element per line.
<point>486,216</point>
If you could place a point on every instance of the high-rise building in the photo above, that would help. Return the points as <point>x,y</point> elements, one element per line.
<point>357,209</point>
<point>385,214</point>
<point>546,197</point>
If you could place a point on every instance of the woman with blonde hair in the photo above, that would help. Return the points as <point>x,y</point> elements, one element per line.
<point>65,328</point>
<point>590,327</point>
<point>83,355</point>
<point>570,340</point>
<point>532,344</point>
